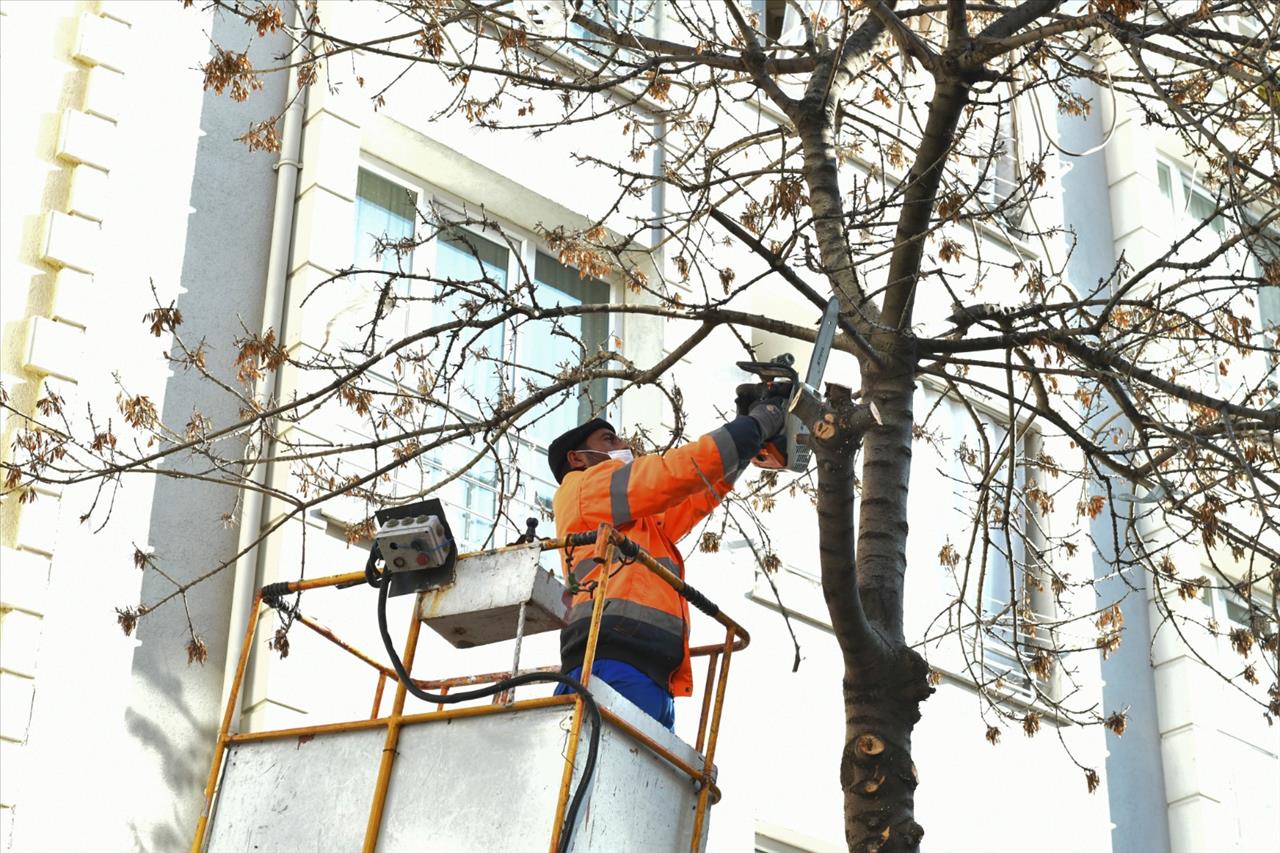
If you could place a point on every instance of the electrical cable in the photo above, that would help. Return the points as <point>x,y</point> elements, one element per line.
<point>379,581</point>
<point>1038,114</point>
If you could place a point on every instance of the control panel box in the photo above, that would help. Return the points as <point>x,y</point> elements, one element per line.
<point>417,542</point>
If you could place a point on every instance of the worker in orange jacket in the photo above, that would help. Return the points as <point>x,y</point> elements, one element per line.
<point>654,500</point>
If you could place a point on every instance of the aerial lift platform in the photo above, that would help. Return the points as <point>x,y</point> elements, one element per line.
<point>486,777</point>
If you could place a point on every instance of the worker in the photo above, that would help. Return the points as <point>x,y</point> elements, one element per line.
<point>654,500</point>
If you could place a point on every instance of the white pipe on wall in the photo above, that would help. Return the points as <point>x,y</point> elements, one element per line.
<point>252,517</point>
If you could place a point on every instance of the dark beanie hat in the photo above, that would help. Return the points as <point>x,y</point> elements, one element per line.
<point>558,452</point>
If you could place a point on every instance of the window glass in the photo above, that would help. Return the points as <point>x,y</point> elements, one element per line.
<point>549,346</point>
<point>1199,206</point>
<point>1269,306</point>
<point>1004,171</point>
<point>635,16</point>
<point>1165,177</point>
<point>772,14</point>
<point>385,211</point>
<point>475,269</point>
<point>1237,612</point>
<point>1264,249</point>
<point>480,265</point>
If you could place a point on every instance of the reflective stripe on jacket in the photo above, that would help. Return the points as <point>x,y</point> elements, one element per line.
<point>655,501</point>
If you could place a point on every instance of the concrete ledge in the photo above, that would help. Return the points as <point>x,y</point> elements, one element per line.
<point>19,643</point>
<point>72,292</point>
<point>330,150</point>
<point>24,581</point>
<point>88,139</point>
<point>71,241</point>
<point>16,693</point>
<point>12,764</point>
<point>102,41</point>
<point>55,348</point>
<point>324,229</point>
<point>90,193</point>
<point>121,10</point>
<point>104,93</point>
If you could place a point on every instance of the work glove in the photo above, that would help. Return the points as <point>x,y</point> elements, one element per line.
<point>751,393</point>
<point>770,416</point>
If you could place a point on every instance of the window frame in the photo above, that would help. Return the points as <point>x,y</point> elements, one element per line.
<point>1179,217</point>
<point>429,196</point>
<point>995,656</point>
<point>522,247</point>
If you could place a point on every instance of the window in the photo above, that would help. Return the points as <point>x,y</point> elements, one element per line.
<point>1264,265</point>
<point>1013,567</point>
<point>782,21</point>
<point>1191,202</point>
<point>464,256</point>
<point>566,342</point>
<point>515,357</point>
<point>1002,172</point>
<point>635,16</point>
<point>771,15</point>
<point>386,214</point>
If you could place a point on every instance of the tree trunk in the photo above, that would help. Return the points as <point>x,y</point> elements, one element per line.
<point>864,580</point>
<point>885,681</point>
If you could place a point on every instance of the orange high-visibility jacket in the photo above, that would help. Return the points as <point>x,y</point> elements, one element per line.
<point>655,501</point>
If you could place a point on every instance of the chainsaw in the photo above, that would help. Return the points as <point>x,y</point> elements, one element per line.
<point>791,450</point>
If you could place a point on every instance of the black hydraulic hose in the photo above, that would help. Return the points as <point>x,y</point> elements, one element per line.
<point>588,701</point>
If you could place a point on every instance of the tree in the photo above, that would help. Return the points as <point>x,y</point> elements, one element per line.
<point>852,149</point>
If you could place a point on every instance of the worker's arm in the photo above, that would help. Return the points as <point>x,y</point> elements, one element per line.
<point>683,517</point>
<point>653,485</point>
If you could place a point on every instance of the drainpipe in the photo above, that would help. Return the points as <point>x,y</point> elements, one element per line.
<point>253,514</point>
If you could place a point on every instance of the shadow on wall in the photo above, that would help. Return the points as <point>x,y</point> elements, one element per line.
<point>173,713</point>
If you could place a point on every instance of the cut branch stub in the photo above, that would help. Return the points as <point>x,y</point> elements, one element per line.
<point>870,745</point>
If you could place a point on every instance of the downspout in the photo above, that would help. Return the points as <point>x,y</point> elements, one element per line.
<point>253,514</point>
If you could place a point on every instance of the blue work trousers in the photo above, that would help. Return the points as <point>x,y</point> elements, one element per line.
<point>645,693</point>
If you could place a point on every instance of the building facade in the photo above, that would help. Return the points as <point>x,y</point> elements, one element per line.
<point>123,178</point>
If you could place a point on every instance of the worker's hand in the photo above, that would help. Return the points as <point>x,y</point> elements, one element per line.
<point>753,392</point>
<point>770,415</point>
<point>749,394</point>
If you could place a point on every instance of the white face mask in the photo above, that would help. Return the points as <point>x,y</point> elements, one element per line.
<point>624,455</point>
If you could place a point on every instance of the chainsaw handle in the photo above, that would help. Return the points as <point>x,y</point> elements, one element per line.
<point>771,371</point>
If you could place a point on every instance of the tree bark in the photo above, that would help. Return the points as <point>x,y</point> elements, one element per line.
<point>864,579</point>
<point>885,681</point>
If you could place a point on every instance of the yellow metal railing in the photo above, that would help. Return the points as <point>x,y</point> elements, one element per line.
<point>607,543</point>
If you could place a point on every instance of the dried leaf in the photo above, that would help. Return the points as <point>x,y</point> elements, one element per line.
<point>163,319</point>
<point>1241,641</point>
<point>267,19</point>
<point>949,556</point>
<point>127,618</point>
<point>280,642</point>
<point>229,68</point>
<point>139,412</point>
<point>197,651</point>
